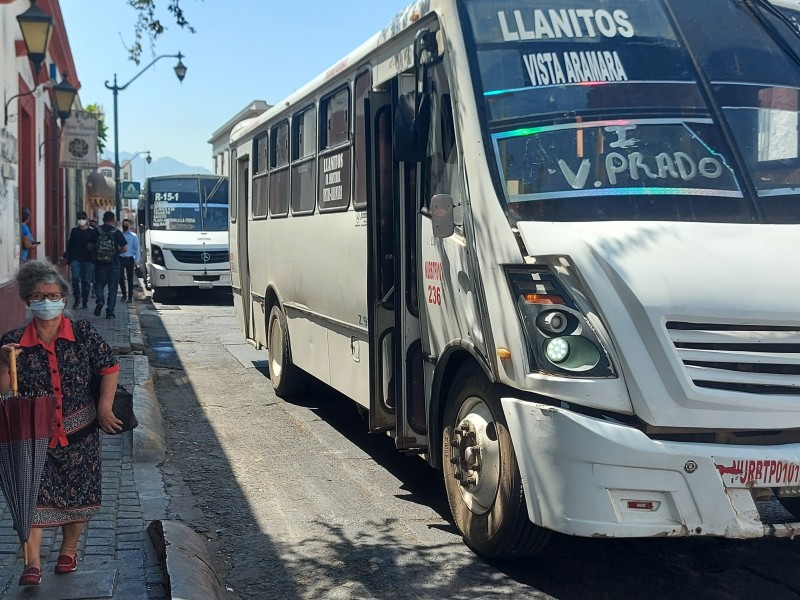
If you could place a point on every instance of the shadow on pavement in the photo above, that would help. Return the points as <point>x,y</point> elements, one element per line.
<point>377,562</point>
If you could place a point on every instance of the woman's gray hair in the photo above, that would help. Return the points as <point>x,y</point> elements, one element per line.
<point>34,273</point>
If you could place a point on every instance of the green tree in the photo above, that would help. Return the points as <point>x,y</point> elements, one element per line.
<point>148,24</point>
<point>102,128</point>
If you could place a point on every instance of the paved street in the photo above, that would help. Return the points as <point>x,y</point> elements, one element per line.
<point>296,500</point>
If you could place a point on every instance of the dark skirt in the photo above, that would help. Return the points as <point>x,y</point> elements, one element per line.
<point>71,484</point>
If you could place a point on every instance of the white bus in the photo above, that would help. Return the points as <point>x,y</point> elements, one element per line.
<point>553,247</point>
<point>184,233</point>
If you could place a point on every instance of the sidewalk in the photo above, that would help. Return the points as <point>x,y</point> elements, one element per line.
<point>116,556</point>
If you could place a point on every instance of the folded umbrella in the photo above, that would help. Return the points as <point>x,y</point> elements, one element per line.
<point>26,423</point>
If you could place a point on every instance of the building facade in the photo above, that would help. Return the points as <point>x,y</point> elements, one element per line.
<point>220,139</point>
<point>30,175</point>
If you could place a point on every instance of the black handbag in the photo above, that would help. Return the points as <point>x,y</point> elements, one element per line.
<point>123,399</point>
<point>123,405</point>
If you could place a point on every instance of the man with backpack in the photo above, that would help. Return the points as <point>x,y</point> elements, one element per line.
<point>107,242</point>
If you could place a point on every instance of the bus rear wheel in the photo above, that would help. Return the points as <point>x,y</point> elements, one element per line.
<point>481,474</point>
<point>287,379</point>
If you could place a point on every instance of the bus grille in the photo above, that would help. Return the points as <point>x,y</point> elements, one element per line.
<point>190,257</point>
<point>752,359</point>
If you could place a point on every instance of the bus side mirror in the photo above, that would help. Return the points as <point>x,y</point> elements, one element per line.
<point>411,126</point>
<point>140,217</point>
<point>442,216</point>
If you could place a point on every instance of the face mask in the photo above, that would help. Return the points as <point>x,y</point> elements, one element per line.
<point>47,309</point>
<point>125,228</point>
<point>82,222</point>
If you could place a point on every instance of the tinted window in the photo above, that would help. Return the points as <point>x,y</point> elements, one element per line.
<point>261,154</point>
<point>337,119</point>
<point>360,165</point>
<point>280,145</point>
<point>305,134</point>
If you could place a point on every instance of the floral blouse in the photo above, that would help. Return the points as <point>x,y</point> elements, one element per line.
<point>63,368</point>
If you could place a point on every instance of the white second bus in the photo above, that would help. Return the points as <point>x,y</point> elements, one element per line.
<point>184,233</point>
<point>553,247</point>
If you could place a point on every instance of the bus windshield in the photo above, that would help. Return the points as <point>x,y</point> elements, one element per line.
<point>630,110</point>
<point>188,203</point>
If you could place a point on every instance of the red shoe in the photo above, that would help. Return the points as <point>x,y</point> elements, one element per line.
<point>31,576</point>
<point>67,564</point>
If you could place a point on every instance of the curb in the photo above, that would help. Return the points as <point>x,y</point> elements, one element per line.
<point>135,329</point>
<point>149,440</point>
<point>186,561</point>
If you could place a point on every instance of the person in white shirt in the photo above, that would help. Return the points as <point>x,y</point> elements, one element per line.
<point>129,260</point>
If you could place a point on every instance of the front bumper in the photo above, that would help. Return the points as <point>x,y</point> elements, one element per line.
<point>162,277</point>
<point>594,478</point>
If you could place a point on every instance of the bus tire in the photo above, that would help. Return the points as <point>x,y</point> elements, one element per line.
<point>159,294</point>
<point>484,489</point>
<point>287,379</point>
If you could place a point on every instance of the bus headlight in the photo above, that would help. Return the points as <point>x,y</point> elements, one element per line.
<point>574,353</point>
<point>559,337</point>
<point>557,350</point>
<point>157,255</point>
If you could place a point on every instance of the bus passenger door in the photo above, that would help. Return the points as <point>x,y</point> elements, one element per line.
<point>240,268</point>
<point>397,392</point>
<point>380,261</point>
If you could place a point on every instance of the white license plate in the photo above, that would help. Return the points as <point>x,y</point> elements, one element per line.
<point>758,473</point>
<point>205,285</point>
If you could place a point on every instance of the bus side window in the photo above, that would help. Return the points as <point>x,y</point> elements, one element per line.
<point>441,167</point>
<point>304,162</point>
<point>335,151</point>
<point>279,174</point>
<point>362,86</point>
<point>260,176</point>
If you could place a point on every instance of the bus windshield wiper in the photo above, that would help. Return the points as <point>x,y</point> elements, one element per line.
<point>214,189</point>
<point>760,9</point>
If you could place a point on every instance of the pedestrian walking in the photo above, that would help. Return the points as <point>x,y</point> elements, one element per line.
<point>106,242</point>
<point>79,259</point>
<point>52,362</point>
<point>93,225</point>
<point>129,260</point>
<point>27,243</point>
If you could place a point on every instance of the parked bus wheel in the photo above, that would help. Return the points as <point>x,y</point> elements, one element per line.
<point>287,379</point>
<point>481,474</point>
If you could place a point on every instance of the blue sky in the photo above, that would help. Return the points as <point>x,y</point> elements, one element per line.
<point>242,50</point>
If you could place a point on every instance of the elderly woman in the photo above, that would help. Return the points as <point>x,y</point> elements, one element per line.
<point>57,356</point>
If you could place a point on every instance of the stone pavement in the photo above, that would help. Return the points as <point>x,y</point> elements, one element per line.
<point>116,557</point>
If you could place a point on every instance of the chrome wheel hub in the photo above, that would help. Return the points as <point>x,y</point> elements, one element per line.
<point>476,455</point>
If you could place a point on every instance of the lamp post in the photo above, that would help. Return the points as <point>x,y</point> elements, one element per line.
<point>148,159</point>
<point>180,73</point>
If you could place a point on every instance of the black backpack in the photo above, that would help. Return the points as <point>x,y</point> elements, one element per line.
<point>106,246</point>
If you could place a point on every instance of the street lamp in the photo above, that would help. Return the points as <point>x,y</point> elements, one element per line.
<point>37,28</point>
<point>180,73</point>
<point>65,95</point>
<point>147,158</point>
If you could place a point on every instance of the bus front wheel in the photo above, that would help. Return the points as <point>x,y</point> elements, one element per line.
<point>481,474</point>
<point>286,378</point>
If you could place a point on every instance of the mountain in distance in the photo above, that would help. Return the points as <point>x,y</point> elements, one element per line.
<point>164,165</point>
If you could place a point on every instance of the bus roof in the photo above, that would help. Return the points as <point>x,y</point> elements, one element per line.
<point>402,21</point>
<point>187,176</point>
